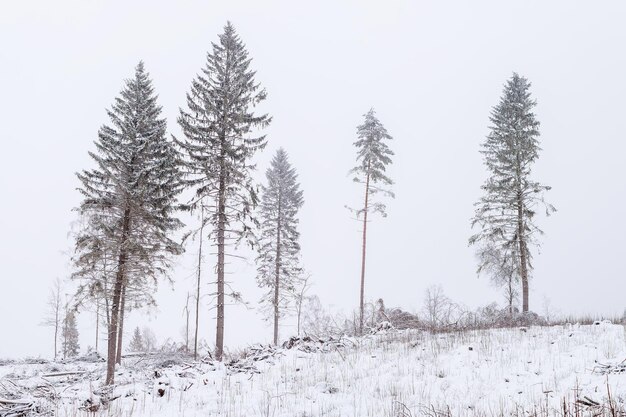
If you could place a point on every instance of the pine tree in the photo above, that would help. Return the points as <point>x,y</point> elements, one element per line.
<point>506,212</point>
<point>70,344</point>
<point>279,251</point>
<point>136,342</point>
<point>219,145</point>
<point>373,157</point>
<point>129,202</point>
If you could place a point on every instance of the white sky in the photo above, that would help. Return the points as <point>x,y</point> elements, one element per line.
<point>432,70</point>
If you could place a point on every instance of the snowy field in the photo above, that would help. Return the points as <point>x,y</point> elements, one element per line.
<point>391,373</point>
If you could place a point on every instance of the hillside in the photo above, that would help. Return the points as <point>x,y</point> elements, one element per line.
<point>517,371</point>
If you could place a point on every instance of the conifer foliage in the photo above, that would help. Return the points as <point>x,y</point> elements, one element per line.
<point>373,157</point>
<point>219,143</point>
<point>136,342</point>
<point>129,202</point>
<point>69,335</point>
<point>279,250</point>
<point>505,214</point>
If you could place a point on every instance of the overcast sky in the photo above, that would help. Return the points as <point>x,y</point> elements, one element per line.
<point>432,70</point>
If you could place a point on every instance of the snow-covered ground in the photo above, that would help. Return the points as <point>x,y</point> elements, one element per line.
<point>391,373</point>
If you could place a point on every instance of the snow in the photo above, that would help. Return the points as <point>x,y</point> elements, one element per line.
<point>467,373</point>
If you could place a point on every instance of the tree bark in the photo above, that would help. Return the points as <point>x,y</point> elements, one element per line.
<point>195,339</point>
<point>362,298</point>
<point>120,333</point>
<point>510,289</point>
<point>221,226</point>
<point>97,323</point>
<point>56,329</point>
<point>521,239</point>
<point>65,331</point>
<point>115,302</point>
<point>277,279</point>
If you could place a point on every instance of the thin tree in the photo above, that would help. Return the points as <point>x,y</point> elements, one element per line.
<point>186,314</point>
<point>219,144</point>
<point>503,269</point>
<point>198,281</point>
<point>373,157</point>
<point>279,250</point>
<point>129,200</point>
<point>300,298</point>
<point>94,271</point>
<point>54,312</point>
<point>506,212</point>
<point>199,233</point>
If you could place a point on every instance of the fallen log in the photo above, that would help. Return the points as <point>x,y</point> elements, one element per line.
<point>55,374</point>
<point>15,402</point>
<point>16,408</point>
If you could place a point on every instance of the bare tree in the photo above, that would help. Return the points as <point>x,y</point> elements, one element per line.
<point>439,310</point>
<point>502,268</point>
<point>54,312</point>
<point>195,337</point>
<point>149,339</point>
<point>300,298</point>
<point>316,321</point>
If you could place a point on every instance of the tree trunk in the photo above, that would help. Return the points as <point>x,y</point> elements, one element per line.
<point>97,322</point>
<point>521,239</point>
<point>195,339</point>
<point>57,308</point>
<point>120,333</point>
<point>299,314</point>
<point>56,337</point>
<point>362,298</point>
<point>187,325</point>
<point>115,302</point>
<point>510,295</point>
<point>65,331</point>
<point>277,279</point>
<point>221,226</point>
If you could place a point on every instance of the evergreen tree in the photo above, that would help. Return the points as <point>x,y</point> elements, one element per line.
<point>373,157</point>
<point>506,212</point>
<point>70,336</point>
<point>278,260</point>
<point>129,203</point>
<point>219,145</point>
<point>136,343</point>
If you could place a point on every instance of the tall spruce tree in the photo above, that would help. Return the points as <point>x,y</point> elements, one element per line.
<point>129,202</point>
<point>70,335</point>
<point>279,251</point>
<point>373,157</point>
<point>219,143</point>
<point>506,212</point>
